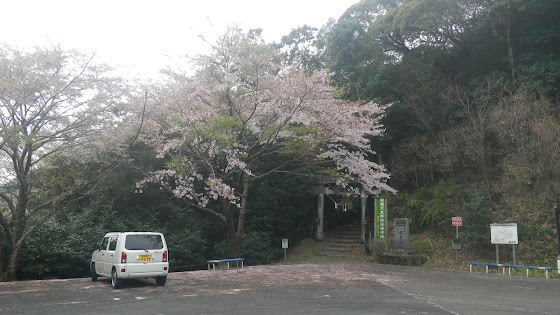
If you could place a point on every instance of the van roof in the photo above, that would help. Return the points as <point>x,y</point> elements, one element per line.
<point>113,233</point>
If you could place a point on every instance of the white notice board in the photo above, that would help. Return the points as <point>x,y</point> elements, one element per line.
<point>504,233</point>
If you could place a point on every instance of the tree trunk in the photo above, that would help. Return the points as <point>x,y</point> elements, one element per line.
<point>234,219</point>
<point>10,273</point>
<point>2,257</point>
<point>234,243</point>
<point>234,239</point>
<point>510,41</point>
<point>14,245</point>
<point>510,53</point>
<point>235,225</point>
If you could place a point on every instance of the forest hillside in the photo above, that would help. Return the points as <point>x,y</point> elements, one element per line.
<point>474,125</point>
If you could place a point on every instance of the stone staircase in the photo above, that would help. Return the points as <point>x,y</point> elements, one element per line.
<point>344,241</point>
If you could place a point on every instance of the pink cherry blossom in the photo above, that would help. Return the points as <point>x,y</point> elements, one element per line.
<point>242,106</point>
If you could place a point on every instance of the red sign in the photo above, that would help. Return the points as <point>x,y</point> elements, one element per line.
<point>456,221</point>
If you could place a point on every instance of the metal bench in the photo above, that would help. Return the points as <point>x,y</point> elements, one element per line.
<point>214,262</point>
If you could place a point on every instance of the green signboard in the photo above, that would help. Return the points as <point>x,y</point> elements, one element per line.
<point>380,218</point>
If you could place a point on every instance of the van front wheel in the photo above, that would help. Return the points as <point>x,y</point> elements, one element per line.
<point>115,281</point>
<point>161,280</point>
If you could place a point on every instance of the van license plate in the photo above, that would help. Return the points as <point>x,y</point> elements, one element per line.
<point>145,258</point>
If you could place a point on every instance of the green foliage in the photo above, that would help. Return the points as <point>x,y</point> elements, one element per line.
<point>296,145</point>
<point>222,129</point>
<point>60,248</point>
<point>422,247</point>
<point>186,247</point>
<point>354,54</point>
<point>281,207</point>
<point>299,46</point>
<point>527,230</point>
<point>261,247</point>
<point>476,218</point>
<point>192,237</point>
<point>430,207</point>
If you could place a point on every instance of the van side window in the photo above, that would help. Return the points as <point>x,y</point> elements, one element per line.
<point>113,243</point>
<point>104,243</point>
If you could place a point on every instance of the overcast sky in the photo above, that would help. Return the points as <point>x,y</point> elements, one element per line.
<point>142,36</point>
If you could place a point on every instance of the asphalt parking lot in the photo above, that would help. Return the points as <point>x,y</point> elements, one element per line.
<point>348,288</point>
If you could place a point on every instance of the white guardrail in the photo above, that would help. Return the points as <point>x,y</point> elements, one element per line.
<point>504,266</point>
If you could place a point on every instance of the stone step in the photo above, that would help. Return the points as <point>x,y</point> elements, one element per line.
<point>345,237</point>
<point>341,232</point>
<point>348,228</point>
<point>338,250</point>
<point>343,241</point>
<point>341,255</point>
<point>341,244</point>
<point>348,231</point>
<point>357,228</point>
<point>346,241</point>
<point>357,232</point>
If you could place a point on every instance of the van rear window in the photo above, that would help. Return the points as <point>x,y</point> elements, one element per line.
<point>143,242</point>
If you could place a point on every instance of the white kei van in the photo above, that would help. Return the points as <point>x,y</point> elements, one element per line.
<point>126,255</point>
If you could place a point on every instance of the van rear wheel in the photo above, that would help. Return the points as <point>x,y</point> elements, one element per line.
<point>93,272</point>
<point>115,281</point>
<point>161,280</point>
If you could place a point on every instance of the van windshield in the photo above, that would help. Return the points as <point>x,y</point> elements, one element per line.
<point>143,242</point>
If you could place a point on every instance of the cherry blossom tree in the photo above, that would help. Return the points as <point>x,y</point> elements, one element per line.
<point>56,119</point>
<point>244,106</point>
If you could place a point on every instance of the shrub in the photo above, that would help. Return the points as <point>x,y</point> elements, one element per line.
<point>476,218</point>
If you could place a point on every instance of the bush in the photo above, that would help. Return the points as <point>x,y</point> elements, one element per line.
<point>431,206</point>
<point>476,219</point>
<point>57,250</point>
<point>186,248</point>
<point>261,248</point>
